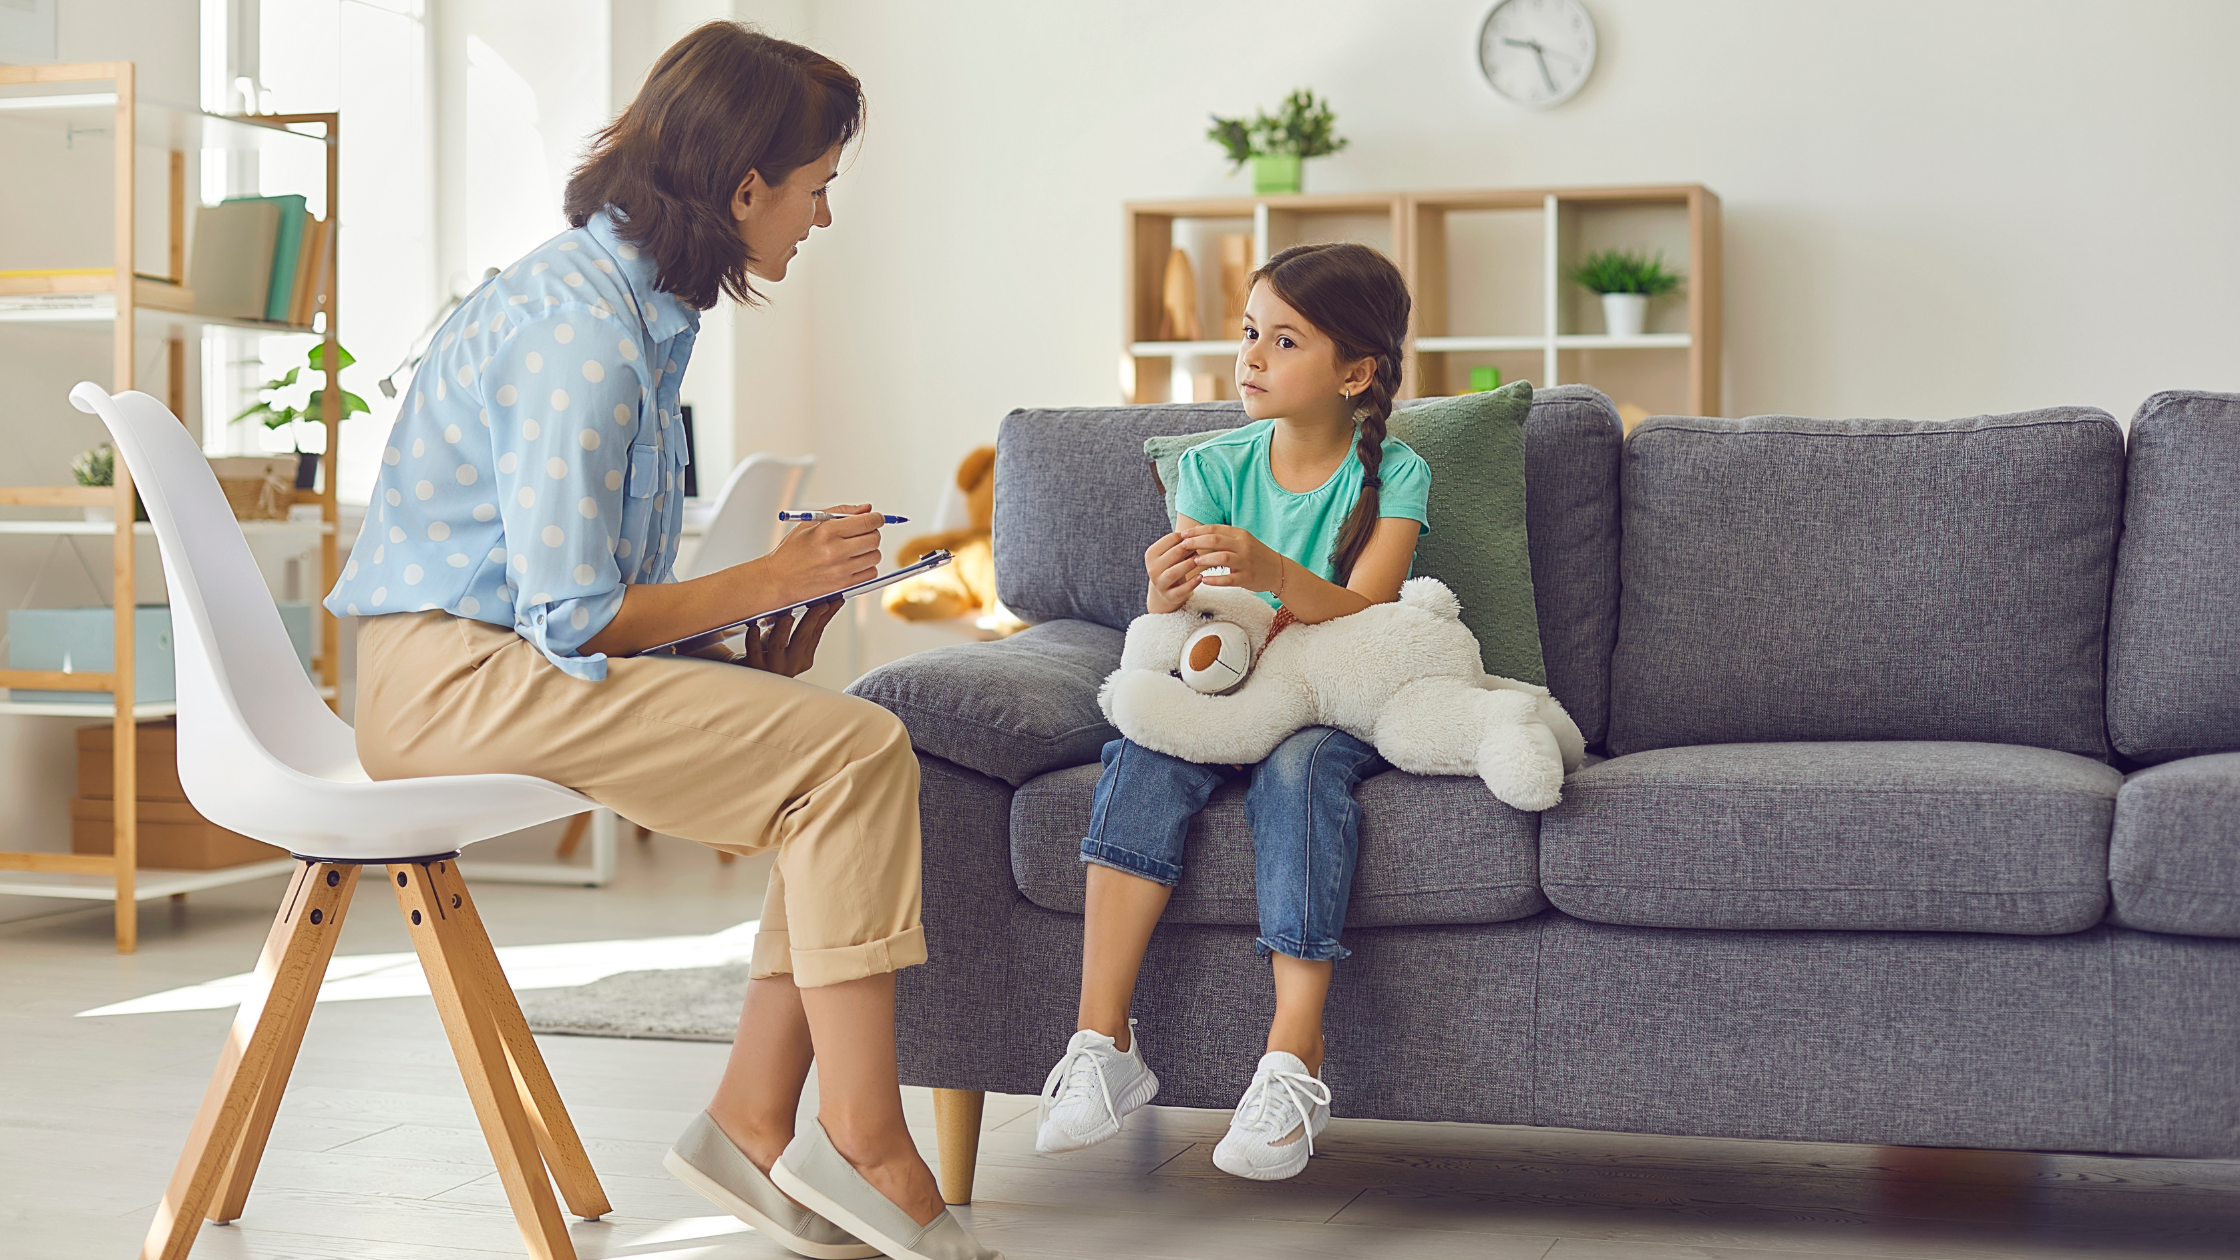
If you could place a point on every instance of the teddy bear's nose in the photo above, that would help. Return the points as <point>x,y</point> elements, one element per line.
<point>1205,652</point>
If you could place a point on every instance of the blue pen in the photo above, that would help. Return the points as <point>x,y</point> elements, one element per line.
<point>829,516</point>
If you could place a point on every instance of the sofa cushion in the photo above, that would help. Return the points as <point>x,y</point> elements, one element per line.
<point>2174,623</point>
<point>1010,709</point>
<point>1904,837</point>
<point>2174,864</point>
<point>1792,579</point>
<point>1433,850</point>
<point>1571,445</point>
<point>1076,505</point>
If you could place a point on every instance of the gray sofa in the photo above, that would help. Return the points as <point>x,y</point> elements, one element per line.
<point>1914,815</point>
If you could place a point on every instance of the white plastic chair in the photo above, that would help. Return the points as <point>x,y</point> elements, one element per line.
<point>745,524</point>
<point>261,754</point>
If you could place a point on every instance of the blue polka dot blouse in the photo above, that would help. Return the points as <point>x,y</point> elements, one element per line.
<point>536,467</point>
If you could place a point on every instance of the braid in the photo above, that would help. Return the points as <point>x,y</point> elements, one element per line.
<point>1374,415</point>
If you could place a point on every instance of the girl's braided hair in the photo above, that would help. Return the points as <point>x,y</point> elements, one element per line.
<point>1360,301</point>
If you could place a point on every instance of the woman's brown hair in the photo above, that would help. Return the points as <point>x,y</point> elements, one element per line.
<point>1360,301</point>
<point>724,100</point>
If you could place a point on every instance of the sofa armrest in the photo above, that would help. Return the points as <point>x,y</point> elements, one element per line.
<point>1011,709</point>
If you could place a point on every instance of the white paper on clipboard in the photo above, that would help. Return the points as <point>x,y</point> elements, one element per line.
<point>706,638</point>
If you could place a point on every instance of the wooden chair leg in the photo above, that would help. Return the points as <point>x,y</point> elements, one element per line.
<point>572,838</point>
<point>233,1191</point>
<point>556,1134</point>
<point>440,935</point>
<point>956,1124</point>
<point>289,972</point>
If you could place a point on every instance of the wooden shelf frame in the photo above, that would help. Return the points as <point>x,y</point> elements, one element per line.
<point>1419,245</point>
<point>159,296</point>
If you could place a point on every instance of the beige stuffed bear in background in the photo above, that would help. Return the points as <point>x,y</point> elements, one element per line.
<point>966,587</point>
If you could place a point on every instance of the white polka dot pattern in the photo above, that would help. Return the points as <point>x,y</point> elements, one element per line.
<point>467,524</point>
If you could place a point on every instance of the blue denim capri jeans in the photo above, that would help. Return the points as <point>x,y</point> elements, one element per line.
<point>1306,828</point>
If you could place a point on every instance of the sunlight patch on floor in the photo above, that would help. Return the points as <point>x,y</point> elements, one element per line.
<point>358,977</point>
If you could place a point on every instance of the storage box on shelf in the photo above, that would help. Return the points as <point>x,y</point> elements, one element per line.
<point>1488,269</point>
<point>98,103</point>
<point>173,834</point>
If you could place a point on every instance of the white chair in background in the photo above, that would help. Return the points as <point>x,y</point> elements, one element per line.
<point>744,523</point>
<point>261,754</point>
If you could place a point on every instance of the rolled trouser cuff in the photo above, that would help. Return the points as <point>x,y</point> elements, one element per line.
<point>814,968</point>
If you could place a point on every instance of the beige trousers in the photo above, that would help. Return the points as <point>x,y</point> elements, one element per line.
<point>734,758</point>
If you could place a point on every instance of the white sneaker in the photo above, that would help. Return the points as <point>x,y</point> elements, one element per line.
<point>1273,1131</point>
<point>1092,1090</point>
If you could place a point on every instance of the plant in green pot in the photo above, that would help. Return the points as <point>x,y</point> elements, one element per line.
<point>1626,279</point>
<point>1278,147</point>
<point>275,410</point>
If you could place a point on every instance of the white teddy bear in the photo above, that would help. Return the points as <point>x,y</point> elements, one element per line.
<point>1405,677</point>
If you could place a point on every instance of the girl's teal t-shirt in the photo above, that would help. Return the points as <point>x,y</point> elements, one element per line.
<point>1228,481</point>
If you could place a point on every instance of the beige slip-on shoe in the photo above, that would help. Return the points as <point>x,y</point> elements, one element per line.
<point>813,1171</point>
<point>708,1161</point>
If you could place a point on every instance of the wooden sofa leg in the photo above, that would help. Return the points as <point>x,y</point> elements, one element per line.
<point>956,1122</point>
<point>289,972</point>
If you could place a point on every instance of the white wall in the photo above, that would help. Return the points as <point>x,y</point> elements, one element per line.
<point>1932,208</point>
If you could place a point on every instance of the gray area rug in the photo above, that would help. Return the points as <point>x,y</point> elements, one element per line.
<point>689,1004</point>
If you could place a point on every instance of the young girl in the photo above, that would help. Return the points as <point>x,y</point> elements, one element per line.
<point>1316,509</point>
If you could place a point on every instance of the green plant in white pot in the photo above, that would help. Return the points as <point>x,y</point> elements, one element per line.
<point>1278,147</point>
<point>1626,279</point>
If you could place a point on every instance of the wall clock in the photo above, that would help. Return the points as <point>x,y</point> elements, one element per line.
<point>1537,53</point>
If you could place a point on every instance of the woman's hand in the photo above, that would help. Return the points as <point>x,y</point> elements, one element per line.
<point>1253,565</point>
<point>785,646</point>
<point>820,558</point>
<point>1174,574</point>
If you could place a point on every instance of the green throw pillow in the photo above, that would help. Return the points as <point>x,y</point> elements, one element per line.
<point>1166,459</point>
<point>1474,444</point>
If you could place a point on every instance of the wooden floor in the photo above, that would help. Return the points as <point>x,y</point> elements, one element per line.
<point>376,1154</point>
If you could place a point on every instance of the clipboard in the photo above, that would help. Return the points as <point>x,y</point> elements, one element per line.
<point>707,638</point>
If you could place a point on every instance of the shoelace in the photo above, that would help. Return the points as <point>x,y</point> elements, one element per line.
<point>1075,1058</point>
<point>1299,1088</point>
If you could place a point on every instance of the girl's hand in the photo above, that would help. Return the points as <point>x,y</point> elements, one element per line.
<point>1174,574</point>
<point>784,646</point>
<point>1253,565</point>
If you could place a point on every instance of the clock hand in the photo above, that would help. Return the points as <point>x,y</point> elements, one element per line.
<point>1543,59</point>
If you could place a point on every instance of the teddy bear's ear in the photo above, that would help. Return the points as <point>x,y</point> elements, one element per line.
<point>975,466</point>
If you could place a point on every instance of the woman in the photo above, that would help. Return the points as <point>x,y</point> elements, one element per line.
<point>519,550</point>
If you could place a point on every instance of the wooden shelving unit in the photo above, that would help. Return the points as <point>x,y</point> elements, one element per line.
<point>96,98</point>
<point>1487,268</point>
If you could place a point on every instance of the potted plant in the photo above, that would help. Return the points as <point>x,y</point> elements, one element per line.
<point>98,467</point>
<point>277,415</point>
<point>1626,279</point>
<point>1278,147</point>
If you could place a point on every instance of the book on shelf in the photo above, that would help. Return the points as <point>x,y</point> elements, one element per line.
<point>230,267</point>
<point>311,271</point>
